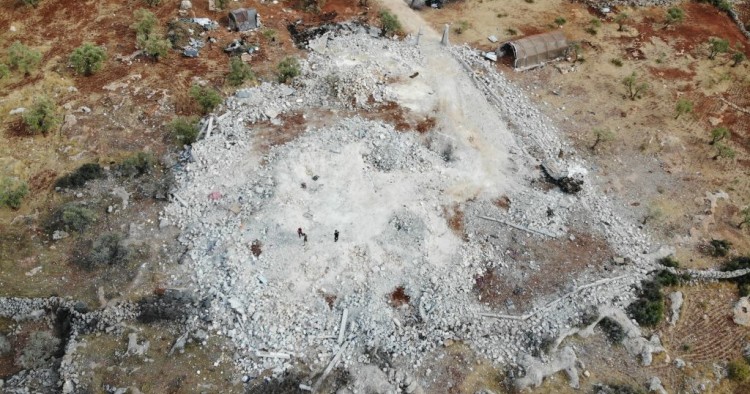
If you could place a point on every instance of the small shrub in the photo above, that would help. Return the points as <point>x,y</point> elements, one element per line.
<point>683,106</point>
<point>80,176</point>
<point>595,22</point>
<point>139,164</point>
<point>666,278</point>
<point>511,31</point>
<point>23,58</point>
<point>88,58</point>
<point>145,22</point>
<point>719,134</point>
<point>270,34</point>
<point>648,309</point>
<point>601,135</point>
<point>389,22</point>
<point>743,282</point>
<point>724,151</point>
<point>612,329</point>
<point>42,116</point>
<point>717,46</point>
<point>239,72</point>
<point>152,3</point>
<point>31,3</point>
<point>738,370</point>
<point>4,71</point>
<point>560,21</point>
<point>669,261</point>
<point>41,347</point>
<point>745,215</point>
<point>206,97</point>
<point>621,19</point>
<point>616,62</point>
<point>185,130</point>
<point>288,69</point>
<point>74,217</point>
<point>591,31</point>
<point>720,247</point>
<point>634,87</point>
<point>12,192</point>
<point>737,58</point>
<point>675,15</point>
<point>108,249</point>
<point>156,47</point>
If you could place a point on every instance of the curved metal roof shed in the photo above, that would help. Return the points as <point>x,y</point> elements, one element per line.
<point>535,50</point>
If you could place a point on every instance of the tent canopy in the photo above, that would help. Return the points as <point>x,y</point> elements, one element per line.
<point>534,50</point>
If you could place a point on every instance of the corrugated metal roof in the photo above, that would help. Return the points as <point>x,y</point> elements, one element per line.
<point>534,50</point>
<point>244,19</point>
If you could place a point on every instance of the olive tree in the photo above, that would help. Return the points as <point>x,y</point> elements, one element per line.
<point>88,58</point>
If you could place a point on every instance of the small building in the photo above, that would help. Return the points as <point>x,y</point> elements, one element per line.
<point>244,19</point>
<point>533,51</point>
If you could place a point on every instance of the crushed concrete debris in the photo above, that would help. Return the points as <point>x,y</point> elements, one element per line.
<point>386,190</point>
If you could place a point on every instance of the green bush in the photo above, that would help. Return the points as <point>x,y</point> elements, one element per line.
<point>683,106</point>
<point>185,130</point>
<point>669,261</point>
<point>717,46</point>
<point>80,176</point>
<point>145,22</point>
<point>32,3</point>
<point>139,164</point>
<point>666,278</point>
<point>206,97</point>
<point>39,350</point>
<point>23,58</point>
<point>560,21</point>
<point>648,309</point>
<point>156,47</point>
<point>74,217</point>
<point>88,58</point>
<point>42,116</point>
<point>720,247</point>
<point>461,26</point>
<point>12,192</point>
<point>389,22</point>
<point>4,71</point>
<point>288,69</point>
<point>738,370</point>
<point>152,3</point>
<point>675,15</point>
<point>616,62</point>
<point>239,72</point>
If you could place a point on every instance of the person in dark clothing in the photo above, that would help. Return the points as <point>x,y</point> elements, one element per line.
<point>305,238</point>
<point>300,233</point>
<point>336,236</point>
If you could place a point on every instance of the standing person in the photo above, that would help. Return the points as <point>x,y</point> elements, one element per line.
<point>305,238</point>
<point>299,232</point>
<point>335,235</point>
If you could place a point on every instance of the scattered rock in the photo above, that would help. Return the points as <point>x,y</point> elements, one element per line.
<point>16,111</point>
<point>675,300</point>
<point>741,312</point>
<point>655,386</point>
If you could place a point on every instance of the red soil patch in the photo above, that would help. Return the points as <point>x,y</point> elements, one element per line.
<point>399,297</point>
<point>702,21</point>
<point>671,73</point>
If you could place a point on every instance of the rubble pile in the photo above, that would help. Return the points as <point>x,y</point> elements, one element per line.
<point>401,277</point>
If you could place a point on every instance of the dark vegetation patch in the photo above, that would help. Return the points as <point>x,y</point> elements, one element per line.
<point>503,202</point>
<point>648,309</point>
<point>107,250</point>
<point>80,176</point>
<point>166,305</point>
<point>612,329</point>
<point>743,282</point>
<point>139,164</point>
<point>255,248</point>
<point>285,384</point>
